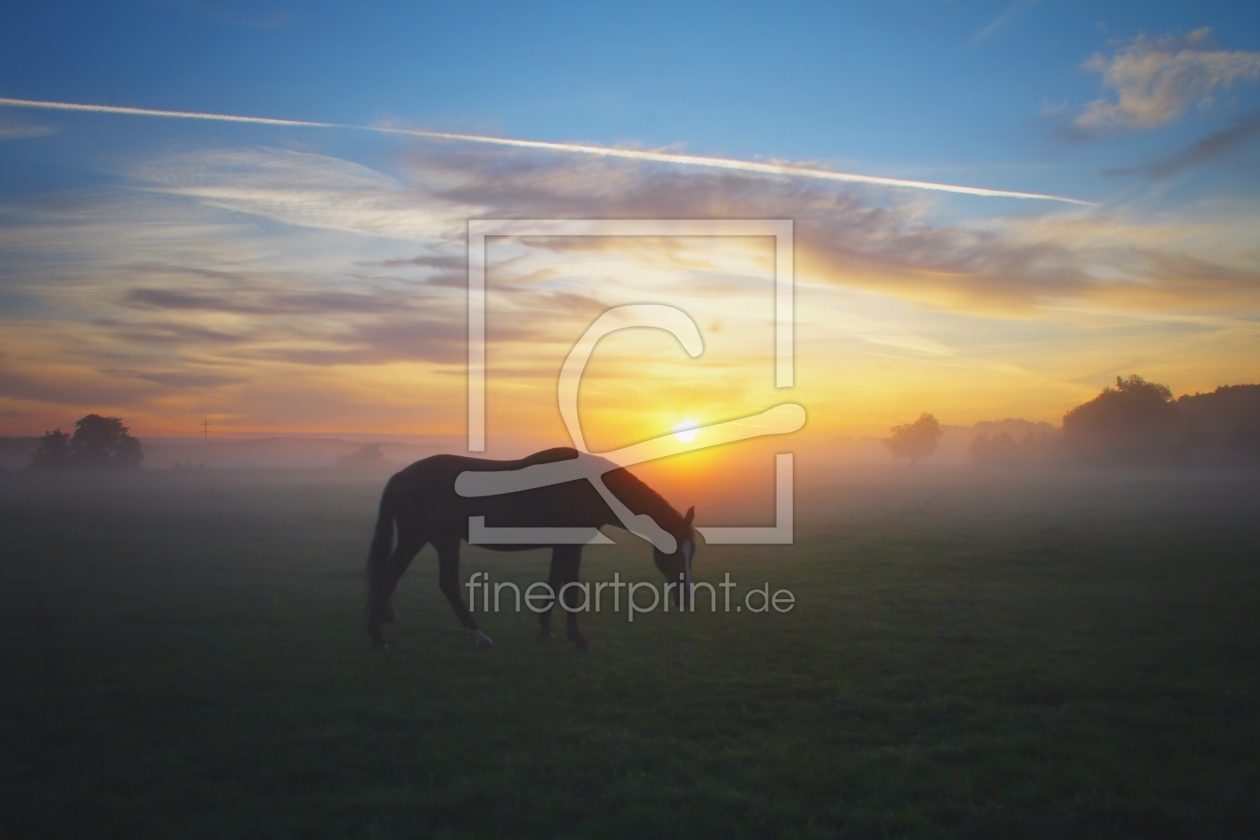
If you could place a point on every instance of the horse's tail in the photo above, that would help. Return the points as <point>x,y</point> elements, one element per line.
<point>382,544</point>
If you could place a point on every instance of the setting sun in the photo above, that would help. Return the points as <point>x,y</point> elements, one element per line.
<point>686,430</point>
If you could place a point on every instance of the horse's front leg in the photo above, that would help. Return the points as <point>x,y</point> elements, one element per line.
<point>554,581</point>
<point>448,582</point>
<point>570,562</point>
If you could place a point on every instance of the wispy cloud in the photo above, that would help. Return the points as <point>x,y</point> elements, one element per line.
<point>1209,148</point>
<point>1006,266</point>
<point>779,169</point>
<point>1013,12</point>
<point>182,379</point>
<point>16,130</point>
<point>1003,266</point>
<point>911,342</point>
<point>1155,81</point>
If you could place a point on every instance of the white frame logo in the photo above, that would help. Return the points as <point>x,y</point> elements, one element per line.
<point>781,419</point>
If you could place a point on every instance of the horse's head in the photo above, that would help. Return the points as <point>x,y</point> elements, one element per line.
<point>677,566</point>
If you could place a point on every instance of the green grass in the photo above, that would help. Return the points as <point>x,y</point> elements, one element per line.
<point>970,656</point>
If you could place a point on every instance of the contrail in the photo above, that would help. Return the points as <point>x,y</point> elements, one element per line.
<point>575,148</point>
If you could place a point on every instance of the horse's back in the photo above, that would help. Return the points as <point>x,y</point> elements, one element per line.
<point>432,479</point>
<point>437,468</point>
<point>426,495</point>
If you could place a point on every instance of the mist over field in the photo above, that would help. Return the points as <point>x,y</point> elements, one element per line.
<point>988,651</point>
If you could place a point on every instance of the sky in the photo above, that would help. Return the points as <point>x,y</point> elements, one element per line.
<point>1047,195</point>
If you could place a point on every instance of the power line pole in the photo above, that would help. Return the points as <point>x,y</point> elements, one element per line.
<point>205,432</point>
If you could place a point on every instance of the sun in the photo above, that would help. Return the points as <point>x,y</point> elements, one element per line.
<point>686,430</point>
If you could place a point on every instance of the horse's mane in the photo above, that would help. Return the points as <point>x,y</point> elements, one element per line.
<point>641,498</point>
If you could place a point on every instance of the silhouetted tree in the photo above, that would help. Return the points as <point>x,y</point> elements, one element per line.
<point>97,443</point>
<point>915,440</point>
<point>53,452</point>
<point>1133,422</point>
<point>103,442</point>
<point>128,454</point>
<point>1229,421</point>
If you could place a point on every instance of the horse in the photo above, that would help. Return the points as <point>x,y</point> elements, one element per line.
<point>421,503</point>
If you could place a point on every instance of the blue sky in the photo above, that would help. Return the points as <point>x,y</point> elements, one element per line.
<point>899,88</point>
<point>1146,110</point>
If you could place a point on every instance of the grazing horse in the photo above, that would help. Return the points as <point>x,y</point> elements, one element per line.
<point>422,503</point>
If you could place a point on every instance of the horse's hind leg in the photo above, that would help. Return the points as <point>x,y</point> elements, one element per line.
<point>382,608</point>
<point>448,582</point>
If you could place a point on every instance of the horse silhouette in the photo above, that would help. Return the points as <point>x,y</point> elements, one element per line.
<point>421,503</point>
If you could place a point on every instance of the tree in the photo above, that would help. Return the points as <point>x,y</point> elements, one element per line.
<point>53,452</point>
<point>1037,446</point>
<point>1229,420</point>
<point>915,440</point>
<point>98,443</point>
<point>104,442</point>
<point>368,457</point>
<point>128,454</point>
<point>1001,450</point>
<point>1135,421</point>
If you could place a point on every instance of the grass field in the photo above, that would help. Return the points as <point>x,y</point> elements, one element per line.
<point>970,655</point>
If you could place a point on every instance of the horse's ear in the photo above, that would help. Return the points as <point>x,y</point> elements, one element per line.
<point>691,514</point>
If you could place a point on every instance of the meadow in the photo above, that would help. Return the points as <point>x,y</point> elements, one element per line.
<point>971,654</point>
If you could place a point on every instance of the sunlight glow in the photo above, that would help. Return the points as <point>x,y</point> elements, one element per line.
<point>686,430</point>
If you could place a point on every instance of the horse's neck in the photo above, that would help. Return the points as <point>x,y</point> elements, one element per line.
<point>640,498</point>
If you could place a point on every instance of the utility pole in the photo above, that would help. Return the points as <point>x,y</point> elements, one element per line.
<point>205,432</point>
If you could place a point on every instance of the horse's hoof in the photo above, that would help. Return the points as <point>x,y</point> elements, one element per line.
<point>545,637</point>
<point>379,646</point>
<point>482,640</point>
<point>581,645</point>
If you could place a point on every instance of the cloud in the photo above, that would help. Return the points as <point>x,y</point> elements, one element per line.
<point>919,343</point>
<point>775,168</point>
<point>451,269</point>
<point>299,188</point>
<point>182,379</point>
<point>845,235</point>
<point>17,130</point>
<point>68,388</point>
<point>1009,266</point>
<point>381,341</point>
<point>1155,81</point>
<point>1202,151</point>
<point>1013,12</point>
<point>446,262</point>
<point>244,315</point>
<point>268,302</point>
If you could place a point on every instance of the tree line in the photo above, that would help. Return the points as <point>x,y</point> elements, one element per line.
<point>1135,422</point>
